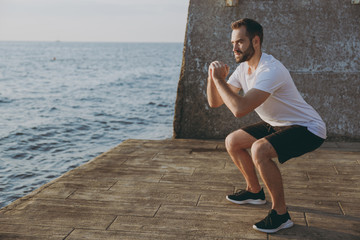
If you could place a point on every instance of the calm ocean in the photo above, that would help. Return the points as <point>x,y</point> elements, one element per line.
<point>62,104</point>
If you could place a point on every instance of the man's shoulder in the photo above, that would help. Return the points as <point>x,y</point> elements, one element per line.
<point>268,60</point>
<point>270,63</point>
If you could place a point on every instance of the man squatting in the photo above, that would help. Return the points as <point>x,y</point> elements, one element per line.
<point>289,128</point>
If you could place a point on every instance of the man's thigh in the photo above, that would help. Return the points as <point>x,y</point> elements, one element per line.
<point>239,139</point>
<point>259,130</point>
<point>293,141</point>
<point>246,136</point>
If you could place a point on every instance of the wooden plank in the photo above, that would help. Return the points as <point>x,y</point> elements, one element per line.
<point>189,227</point>
<point>57,218</point>
<point>29,231</point>
<point>160,197</point>
<point>80,234</point>
<point>339,227</point>
<point>247,213</point>
<point>19,236</point>
<point>43,206</point>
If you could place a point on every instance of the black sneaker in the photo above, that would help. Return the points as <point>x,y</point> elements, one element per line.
<point>274,222</point>
<point>243,197</point>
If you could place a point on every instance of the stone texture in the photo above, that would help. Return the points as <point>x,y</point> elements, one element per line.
<point>318,41</point>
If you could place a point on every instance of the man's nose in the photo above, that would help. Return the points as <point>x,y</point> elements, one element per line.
<point>235,47</point>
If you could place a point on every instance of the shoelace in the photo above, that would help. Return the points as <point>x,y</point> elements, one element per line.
<point>268,219</point>
<point>240,192</point>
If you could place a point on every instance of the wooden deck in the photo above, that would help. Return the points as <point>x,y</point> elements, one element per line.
<point>175,189</point>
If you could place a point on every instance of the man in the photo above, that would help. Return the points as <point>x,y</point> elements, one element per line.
<point>290,127</point>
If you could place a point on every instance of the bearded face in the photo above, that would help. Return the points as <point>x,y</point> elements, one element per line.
<point>246,55</point>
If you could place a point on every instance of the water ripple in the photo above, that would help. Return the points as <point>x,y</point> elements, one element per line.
<point>59,114</point>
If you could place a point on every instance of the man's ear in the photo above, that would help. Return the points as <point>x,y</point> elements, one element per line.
<point>256,41</point>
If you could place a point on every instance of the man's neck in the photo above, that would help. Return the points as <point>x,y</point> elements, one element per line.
<point>254,61</point>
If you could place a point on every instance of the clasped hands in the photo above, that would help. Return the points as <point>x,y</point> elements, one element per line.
<point>218,71</point>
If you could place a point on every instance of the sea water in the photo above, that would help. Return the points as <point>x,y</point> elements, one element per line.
<point>62,104</point>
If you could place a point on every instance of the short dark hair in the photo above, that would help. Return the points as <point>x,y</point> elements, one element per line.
<point>253,28</point>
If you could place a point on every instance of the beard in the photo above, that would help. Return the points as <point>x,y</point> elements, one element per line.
<point>246,55</point>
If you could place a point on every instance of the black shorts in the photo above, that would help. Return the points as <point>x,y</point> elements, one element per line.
<point>288,141</point>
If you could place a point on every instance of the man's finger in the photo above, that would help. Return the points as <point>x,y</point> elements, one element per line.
<point>213,65</point>
<point>219,64</point>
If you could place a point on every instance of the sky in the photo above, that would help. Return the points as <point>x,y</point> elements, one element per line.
<point>93,20</point>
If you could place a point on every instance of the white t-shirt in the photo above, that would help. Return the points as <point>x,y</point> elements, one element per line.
<point>285,106</point>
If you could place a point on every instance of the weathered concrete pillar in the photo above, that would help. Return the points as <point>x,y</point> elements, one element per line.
<point>317,40</point>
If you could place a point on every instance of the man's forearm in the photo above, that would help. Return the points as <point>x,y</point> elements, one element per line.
<point>213,95</point>
<point>232,100</point>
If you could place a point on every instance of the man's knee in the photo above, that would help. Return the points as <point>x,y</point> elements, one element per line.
<point>230,143</point>
<point>262,151</point>
<point>238,140</point>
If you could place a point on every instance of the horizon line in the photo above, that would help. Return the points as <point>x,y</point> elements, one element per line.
<point>75,41</point>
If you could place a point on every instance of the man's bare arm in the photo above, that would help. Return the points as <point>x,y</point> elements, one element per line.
<point>213,96</point>
<point>238,105</point>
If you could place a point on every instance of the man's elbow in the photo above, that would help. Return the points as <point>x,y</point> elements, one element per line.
<point>239,113</point>
<point>214,104</point>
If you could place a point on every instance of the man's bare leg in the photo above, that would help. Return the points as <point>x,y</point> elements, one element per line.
<point>236,145</point>
<point>262,153</point>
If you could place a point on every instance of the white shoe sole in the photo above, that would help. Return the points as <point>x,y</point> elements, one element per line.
<point>248,201</point>
<point>287,224</point>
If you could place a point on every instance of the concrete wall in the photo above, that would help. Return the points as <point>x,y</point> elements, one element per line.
<point>317,40</point>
